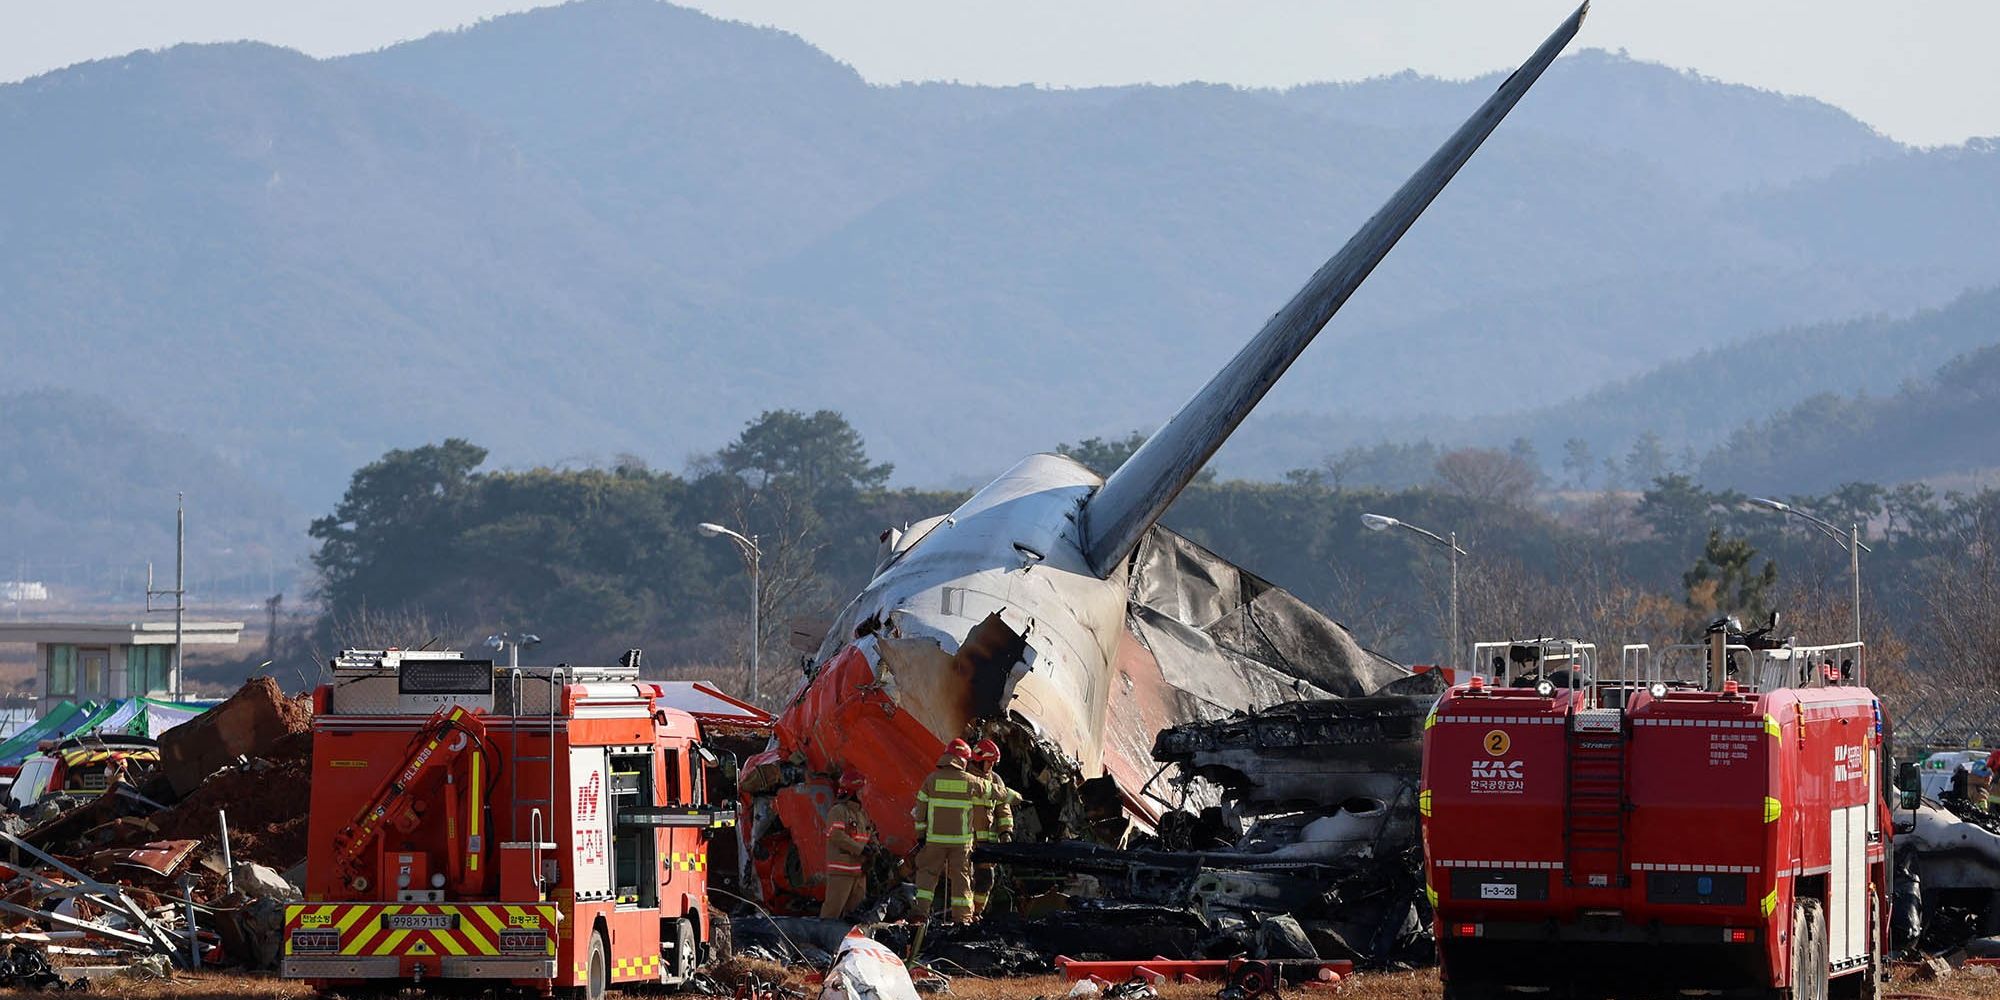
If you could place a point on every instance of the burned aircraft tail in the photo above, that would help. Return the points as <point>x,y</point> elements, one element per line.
<point>1135,496</point>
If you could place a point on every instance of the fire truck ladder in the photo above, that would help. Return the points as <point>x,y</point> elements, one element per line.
<point>540,839</point>
<point>1594,807</point>
<point>431,747</point>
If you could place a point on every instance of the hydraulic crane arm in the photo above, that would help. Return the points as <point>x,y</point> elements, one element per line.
<point>431,748</point>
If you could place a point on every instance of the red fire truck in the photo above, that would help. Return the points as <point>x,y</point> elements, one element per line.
<point>544,828</point>
<point>1711,818</point>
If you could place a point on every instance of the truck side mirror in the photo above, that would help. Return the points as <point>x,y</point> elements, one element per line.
<point>1910,783</point>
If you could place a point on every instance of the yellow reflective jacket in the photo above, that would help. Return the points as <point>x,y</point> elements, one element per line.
<point>944,804</point>
<point>993,813</point>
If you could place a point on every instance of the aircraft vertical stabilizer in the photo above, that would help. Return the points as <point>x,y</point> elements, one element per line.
<point>1135,496</point>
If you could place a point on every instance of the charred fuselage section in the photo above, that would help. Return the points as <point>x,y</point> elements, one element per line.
<point>1053,613</point>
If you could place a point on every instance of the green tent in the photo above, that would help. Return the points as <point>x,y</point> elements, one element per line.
<point>148,717</point>
<point>65,718</point>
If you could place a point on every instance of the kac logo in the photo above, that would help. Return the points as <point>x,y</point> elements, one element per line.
<point>1497,769</point>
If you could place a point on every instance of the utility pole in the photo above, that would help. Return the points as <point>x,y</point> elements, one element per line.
<point>179,593</point>
<point>271,626</point>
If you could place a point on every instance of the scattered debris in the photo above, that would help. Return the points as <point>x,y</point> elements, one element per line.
<point>1296,839</point>
<point>864,969</point>
<point>135,876</point>
<point>1951,851</point>
<point>28,968</point>
<point>1930,969</point>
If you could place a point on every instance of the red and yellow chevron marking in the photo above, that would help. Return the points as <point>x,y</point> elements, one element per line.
<point>361,929</point>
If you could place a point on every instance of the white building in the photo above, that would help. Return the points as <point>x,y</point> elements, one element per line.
<point>101,661</point>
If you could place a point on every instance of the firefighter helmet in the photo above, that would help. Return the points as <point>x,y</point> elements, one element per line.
<point>852,780</point>
<point>959,749</point>
<point>986,750</point>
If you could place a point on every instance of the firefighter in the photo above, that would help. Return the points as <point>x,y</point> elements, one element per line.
<point>848,834</point>
<point>992,818</point>
<point>943,814</point>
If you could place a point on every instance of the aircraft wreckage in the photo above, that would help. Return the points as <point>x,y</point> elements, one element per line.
<point>1052,613</point>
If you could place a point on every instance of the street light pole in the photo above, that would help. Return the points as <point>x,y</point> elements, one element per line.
<point>756,556</point>
<point>1452,544</point>
<point>1383,522</point>
<point>1851,541</point>
<point>1854,571</point>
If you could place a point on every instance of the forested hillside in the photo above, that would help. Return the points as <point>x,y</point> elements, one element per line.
<point>1691,405</point>
<point>618,226</point>
<point>87,491</point>
<point>1934,427</point>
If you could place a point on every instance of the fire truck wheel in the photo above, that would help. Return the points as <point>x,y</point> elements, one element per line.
<point>1809,952</point>
<point>684,951</point>
<point>597,970</point>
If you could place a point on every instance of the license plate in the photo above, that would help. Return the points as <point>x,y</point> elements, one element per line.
<point>1499,891</point>
<point>421,921</point>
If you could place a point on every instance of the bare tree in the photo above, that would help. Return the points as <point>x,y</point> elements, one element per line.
<point>366,628</point>
<point>1961,637</point>
<point>1487,474</point>
<point>1377,620</point>
<point>402,628</point>
<point>790,586</point>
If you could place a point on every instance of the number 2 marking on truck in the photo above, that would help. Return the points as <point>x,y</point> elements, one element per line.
<point>1497,742</point>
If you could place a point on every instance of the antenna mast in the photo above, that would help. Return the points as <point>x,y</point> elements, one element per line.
<point>179,594</point>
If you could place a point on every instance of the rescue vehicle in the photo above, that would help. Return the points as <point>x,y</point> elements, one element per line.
<point>1711,818</point>
<point>543,828</point>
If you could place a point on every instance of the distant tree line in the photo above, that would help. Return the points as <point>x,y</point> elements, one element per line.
<point>596,560</point>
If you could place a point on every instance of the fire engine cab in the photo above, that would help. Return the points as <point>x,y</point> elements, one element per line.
<point>1707,818</point>
<point>544,828</point>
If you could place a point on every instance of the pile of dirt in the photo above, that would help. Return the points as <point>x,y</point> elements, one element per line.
<point>296,711</point>
<point>253,720</point>
<point>265,799</point>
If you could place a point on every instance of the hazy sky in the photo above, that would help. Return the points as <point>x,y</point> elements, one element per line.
<point>1922,71</point>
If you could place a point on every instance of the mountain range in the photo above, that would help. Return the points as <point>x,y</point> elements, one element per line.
<point>620,226</point>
